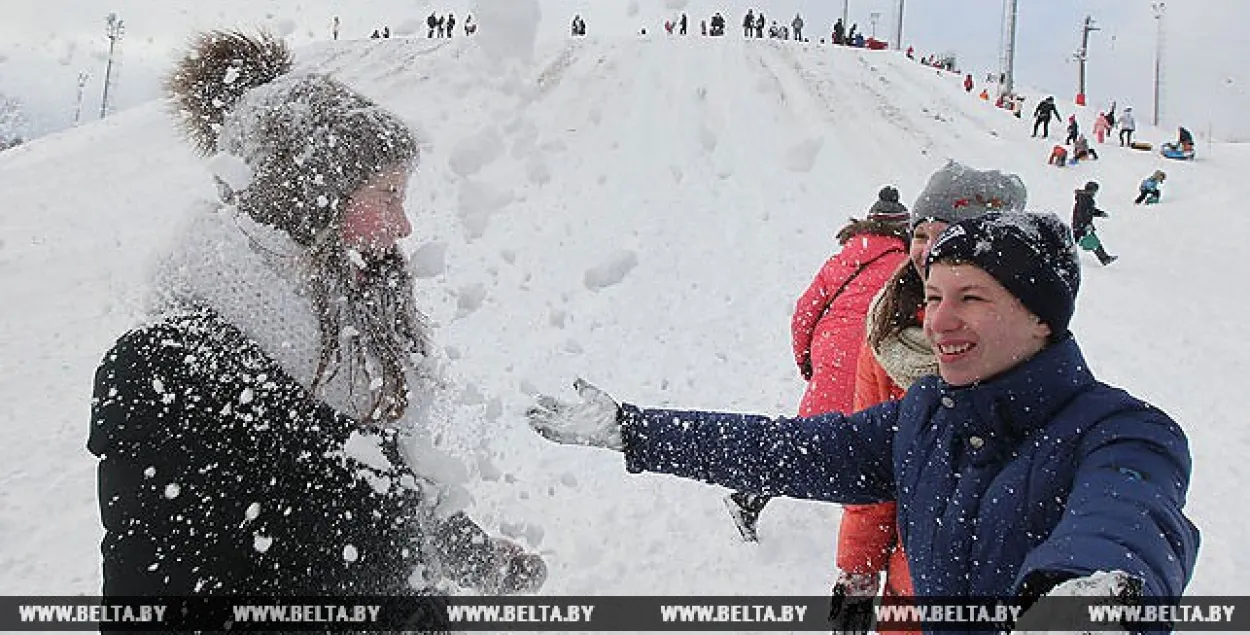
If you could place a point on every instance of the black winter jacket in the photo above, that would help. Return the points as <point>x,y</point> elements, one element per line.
<point>220,474</point>
<point>1083,214</point>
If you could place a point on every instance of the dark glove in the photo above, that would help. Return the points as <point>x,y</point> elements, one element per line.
<point>852,601</point>
<point>805,368</point>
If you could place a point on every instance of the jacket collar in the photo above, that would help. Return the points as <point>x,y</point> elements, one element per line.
<point>1027,397</point>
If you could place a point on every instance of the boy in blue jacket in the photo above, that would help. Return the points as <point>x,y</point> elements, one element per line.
<point>1015,471</point>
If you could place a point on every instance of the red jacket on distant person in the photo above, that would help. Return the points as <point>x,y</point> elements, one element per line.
<point>828,331</point>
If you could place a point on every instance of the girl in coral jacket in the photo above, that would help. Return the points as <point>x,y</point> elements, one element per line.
<point>828,322</point>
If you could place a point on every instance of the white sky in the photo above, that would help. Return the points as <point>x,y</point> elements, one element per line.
<point>47,43</point>
<point>643,213</point>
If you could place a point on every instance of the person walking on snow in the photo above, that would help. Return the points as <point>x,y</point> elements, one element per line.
<point>968,83</point>
<point>1084,211</point>
<point>249,433</point>
<point>828,323</point>
<point>1127,125</point>
<point>797,25</point>
<point>1017,473</point>
<point>1042,114</point>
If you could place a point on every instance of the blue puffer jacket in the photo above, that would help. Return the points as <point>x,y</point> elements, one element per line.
<point>1043,470</point>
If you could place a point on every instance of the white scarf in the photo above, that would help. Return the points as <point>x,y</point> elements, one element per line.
<point>253,276</point>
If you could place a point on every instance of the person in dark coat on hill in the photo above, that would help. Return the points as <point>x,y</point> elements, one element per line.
<point>1017,473</point>
<point>1042,115</point>
<point>1084,211</point>
<point>839,32</point>
<point>256,434</point>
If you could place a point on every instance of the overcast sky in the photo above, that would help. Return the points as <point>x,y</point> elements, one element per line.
<point>45,44</point>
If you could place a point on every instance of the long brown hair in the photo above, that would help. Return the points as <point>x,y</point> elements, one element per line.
<point>901,301</point>
<point>369,324</point>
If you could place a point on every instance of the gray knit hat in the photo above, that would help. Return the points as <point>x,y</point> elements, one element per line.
<point>308,142</point>
<point>957,192</point>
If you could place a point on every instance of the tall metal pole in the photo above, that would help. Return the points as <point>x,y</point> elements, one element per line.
<point>898,27</point>
<point>1008,61</point>
<point>1081,56</point>
<point>845,10</point>
<point>1158,8</point>
<point>82,82</point>
<point>113,29</point>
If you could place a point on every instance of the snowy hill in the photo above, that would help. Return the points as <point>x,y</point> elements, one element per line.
<point>643,213</point>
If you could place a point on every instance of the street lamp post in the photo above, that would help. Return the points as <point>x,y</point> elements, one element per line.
<point>113,29</point>
<point>1158,8</point>
<point>1081,56</point>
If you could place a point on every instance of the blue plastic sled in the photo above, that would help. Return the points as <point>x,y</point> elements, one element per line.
<point>1172,152</point>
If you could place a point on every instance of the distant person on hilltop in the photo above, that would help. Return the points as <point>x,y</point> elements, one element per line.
<point>797,25</point>
<point>1042,114</point>
<point>451,25</point>
<point>252,432</point>
<point>748,24</point>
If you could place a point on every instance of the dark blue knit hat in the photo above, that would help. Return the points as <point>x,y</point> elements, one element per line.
<point>1031,255</point>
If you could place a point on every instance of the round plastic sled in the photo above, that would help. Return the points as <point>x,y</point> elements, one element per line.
<point>1172,152</point>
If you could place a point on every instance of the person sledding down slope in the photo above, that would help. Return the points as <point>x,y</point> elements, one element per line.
<point>1017,473</point>
<point>1183,148</point>
<point>262,432</point>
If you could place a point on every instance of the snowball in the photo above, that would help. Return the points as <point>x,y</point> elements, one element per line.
<point>350,554</point>
<point>172,490</point>
<point>252,512</point>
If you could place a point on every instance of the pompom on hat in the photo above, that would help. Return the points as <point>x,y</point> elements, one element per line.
<point>887,209</point>
<point>308,141</point>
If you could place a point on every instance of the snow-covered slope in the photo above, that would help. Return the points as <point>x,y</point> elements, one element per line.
<point>642,213</point>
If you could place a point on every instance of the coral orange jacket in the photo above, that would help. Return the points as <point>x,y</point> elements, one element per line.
<point>828,325</point>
